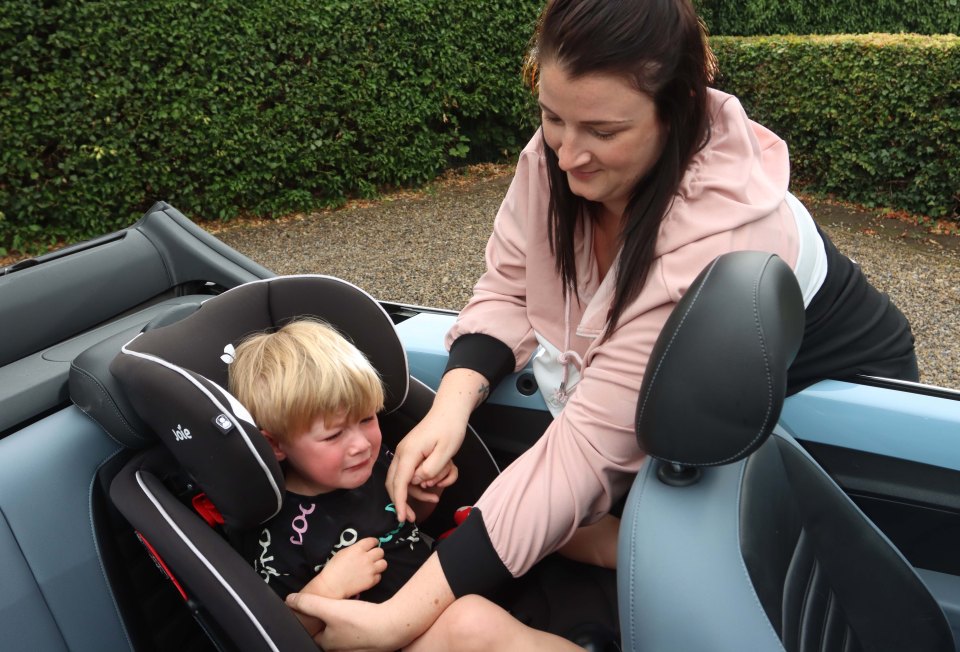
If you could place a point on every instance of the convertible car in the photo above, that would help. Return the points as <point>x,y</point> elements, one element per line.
<point>829,520</point>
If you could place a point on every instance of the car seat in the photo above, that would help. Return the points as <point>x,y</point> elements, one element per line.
<point>733,537</point>
<point>164,395</point>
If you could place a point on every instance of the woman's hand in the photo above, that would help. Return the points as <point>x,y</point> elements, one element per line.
<point>420,462</point>
<point>429,492</point>
<point>424,456</point>
<point>351,571</point>
<point>423,498</point>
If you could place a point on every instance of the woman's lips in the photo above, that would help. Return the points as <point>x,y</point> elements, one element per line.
<point>582,175</point>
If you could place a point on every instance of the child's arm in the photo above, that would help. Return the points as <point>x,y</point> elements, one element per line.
<point>594,544</point>
<point>423,498</point>
<point>350,571</point>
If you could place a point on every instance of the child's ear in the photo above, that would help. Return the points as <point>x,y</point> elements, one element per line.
<point>275,445</point>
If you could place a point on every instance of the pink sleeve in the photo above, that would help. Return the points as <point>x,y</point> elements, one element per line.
<point>585,461</point>
<point>499,304</point>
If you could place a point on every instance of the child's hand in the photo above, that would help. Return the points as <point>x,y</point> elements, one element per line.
<point>353,570</point>
<point>429,491</point>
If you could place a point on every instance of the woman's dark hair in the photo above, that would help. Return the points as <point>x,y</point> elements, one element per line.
<point>659,46</point>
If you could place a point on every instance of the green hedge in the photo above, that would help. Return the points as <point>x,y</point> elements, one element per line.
<point>874,118</point>
<point>221,107</point>
<point>769,17</point>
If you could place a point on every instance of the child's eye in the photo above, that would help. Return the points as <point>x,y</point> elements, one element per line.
<point>367,419</point>
<point>333,436</point>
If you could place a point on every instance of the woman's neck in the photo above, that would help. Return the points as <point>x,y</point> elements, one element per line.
<point>606,239</point>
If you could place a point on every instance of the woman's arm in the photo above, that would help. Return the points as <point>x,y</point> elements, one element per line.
<point>426,451</point>
<point>491,338</point>
<point>571,476</point>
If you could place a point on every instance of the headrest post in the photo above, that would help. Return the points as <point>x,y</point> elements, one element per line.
<point>678,475</point>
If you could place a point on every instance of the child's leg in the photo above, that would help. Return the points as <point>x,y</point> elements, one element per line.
<point>474,624</point>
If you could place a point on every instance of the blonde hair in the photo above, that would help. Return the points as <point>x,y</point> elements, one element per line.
<point>288,378</point>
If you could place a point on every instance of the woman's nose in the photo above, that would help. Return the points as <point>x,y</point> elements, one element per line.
<point>570,155</point>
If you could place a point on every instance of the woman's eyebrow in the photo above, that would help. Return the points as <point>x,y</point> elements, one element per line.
<point>544,106</point>
<point>590,123</point>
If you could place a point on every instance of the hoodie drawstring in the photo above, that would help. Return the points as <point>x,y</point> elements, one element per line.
<point>568,357</point>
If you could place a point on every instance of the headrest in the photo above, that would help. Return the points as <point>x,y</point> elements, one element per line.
<point>717,376</point>
<point>211,435</point>
<point>175,375</point>
<point>203,341</point>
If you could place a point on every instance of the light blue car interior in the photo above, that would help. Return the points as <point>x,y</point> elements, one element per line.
<point>62,587</point>
<point>74,580</point>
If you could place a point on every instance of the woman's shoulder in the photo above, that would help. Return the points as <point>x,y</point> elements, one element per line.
<point>532,158</point>
<point>739,178</point>
<point>731,126</point>
<point>534,149</point>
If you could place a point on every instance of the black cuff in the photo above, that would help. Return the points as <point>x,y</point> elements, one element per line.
<point>484,354</point>
<point>469,561</point>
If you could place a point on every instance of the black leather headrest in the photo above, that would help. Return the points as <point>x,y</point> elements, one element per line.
<point>175,376</point>
<point>203,341</point>
<point>717,376</point>
<point>98,393</point>
<point>212,437</point>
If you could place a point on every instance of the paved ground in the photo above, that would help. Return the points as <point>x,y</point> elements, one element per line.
<point>426,248</point>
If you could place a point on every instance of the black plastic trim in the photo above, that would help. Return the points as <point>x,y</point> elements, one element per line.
<point>916,505</point>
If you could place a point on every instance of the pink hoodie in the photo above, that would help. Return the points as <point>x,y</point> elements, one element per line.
<point>731,198</point>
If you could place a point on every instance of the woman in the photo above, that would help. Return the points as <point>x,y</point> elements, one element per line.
<point>639,177</point>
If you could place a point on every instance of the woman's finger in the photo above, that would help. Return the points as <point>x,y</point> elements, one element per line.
<point>397,485</point>
<point>435,463</point>
<point>425,496</point>
<point>451,475</point>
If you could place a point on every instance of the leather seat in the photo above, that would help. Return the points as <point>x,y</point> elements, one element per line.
<point>733,537</point>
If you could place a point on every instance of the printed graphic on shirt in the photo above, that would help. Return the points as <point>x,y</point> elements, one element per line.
<point>309,530</point>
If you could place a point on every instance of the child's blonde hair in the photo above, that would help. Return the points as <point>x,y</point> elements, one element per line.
<point>286,379</point>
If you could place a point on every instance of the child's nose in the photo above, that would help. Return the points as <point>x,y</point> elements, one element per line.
<point>358,443</point>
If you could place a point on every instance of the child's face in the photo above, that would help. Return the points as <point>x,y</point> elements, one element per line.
<point>333,453</point>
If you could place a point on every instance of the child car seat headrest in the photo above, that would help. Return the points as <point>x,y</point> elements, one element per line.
<point>175,376</point>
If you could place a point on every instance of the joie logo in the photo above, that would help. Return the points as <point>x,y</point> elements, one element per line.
<point>228,353</point>
<point>181,433</point>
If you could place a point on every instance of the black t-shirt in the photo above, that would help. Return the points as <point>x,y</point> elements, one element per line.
<point>851,328</point>
<point>295,545</point>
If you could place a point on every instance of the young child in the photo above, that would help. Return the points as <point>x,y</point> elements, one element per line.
<point>315,398</point>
